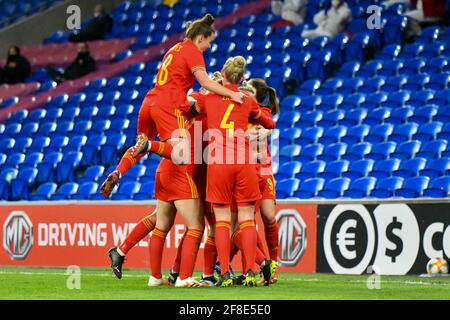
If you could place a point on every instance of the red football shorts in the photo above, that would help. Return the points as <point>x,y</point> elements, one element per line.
<point>226,181</point>
<point>175,182</point>
<point>267,187</point>
<point>153,120</point>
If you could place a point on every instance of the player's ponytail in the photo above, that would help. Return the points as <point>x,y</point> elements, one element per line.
<point>265,95</point>
<point>234,69</point>
<point>200,27</point>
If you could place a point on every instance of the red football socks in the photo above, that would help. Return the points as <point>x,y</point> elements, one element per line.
<point>189,252</point>
<point>271,232</point>
<point>210,257</point>
<point>156,248</point>
<point>163,149</point>
<point>143,228</point>
<point>177,262</point>
<point>223,245</point>
<point>128,161</point>
<point>249,241</point>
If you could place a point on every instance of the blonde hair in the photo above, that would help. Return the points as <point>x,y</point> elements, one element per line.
<point>200,27</point>
<point>234,69</point>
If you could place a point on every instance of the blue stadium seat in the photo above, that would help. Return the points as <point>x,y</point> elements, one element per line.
<point>146,191</point>
<point>288,170</point>
<point>412,51</point>
<point>385,168</point>
<point>20,185</point>
<point>386,187</point>
<point>333,152</point>
<point>57,143</point>
<point>318,66</point>
<point>355,49</point>
<point>390,68</point>
<point>289,152</point>
<point>351,85</point>
<point>413,66</point>
<point>436,65</point>
<point>373,85</point>
<point>361,187</point>
<point>445,133</point>
<point>91,148</point>
<point>355,117</point>
<point>377,116</point>
<point>14,160</point>
<point>331,118</point>
<point>424,114</point>
<point>413,187</point>
<point>81,127</point>
<point>374,100</point>
<point>332,101</point>
<point>64,127</point>
<point>310,118</point>
<point>432,149</point>
<point>289,135</point>
<point>44,192</point>
<point>310,135</point>
<point>65,191</point>
<point>334,188</point>
<point>438,188</point>
<point>406,150</point>
<point>370,69</point>
<point>311,169</point>
<point>32,159</point>
<point>287,187</point>
<point>46,129</point>
<point>76,142</point>
<point>439,81</point>
<point>92,173</point>
<point>308,88</point>
<point>400,115</point>
<point>410,168</point>
<point>357,151</point>
<point>389,52</point>
<point>334,169</point>
<point>382,150</point>
<point>6,175</point>
<point>37,114</point>
<point>290,102</point>
<point>12,129</point>
<point>359,168</point>
<point>420,98</point>
<point>85,191</point>
<point>441,97</point>
<point>404,132</point>
<point>22,144</point>
<point>348,69</point>
<point>87,112</point>
<point>432,50</point>
<point>380,133</point>
<point>288,119</point>
<point>330,86</point>
<point>309,188</point>
<point>429,131</point>
<point>333,134</point>
<point>126,190</point>
<point>309,102</point>
<point>109,151</point>
<point>65,170</point>
<point>134,173</point>
<point>436,168</point>
<point>397,99</point>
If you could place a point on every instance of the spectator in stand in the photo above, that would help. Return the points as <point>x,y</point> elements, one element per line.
<point>291,10</point>
<point>330,22</point>
<point>97,28</point>
<point>81,66</point>
<point>16,69</point>
<point>421,11</point>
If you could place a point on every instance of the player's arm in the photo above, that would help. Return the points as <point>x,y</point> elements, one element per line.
<point>260,117</point>
<point>205,81</point>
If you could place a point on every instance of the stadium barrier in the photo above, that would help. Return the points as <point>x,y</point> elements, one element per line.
<point>343,237</point>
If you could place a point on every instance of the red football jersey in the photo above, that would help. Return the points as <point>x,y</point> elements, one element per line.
<point>228,121</point>
<point>176,75</point>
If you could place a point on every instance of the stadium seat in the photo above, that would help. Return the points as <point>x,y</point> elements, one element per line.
<point>290,103</point>
<point>22,144</point>
<point>14,160</point>
<point>432,149</point>
<point>44,192</point>
<point>287,187</point>
<point>382,150</point>
<point>334,169</point>
<point>288,119</point>
<point>126,190</point>
<point>309,188</point>
<point>32,159</point>
<point>377,116</point>
<point>436,168</point>
<point>65,191</point>
<point>361,187</point>
<point>76,142</point>
<point>420,98</point>
<point>359,168</point>
<point>29,129</point>
<point>410,168</point>
<point>397,99</point>
<point>439,81</point>
<point>288,170</point>
<point>65,170</point>
<point>134,173</point>
<point>428,131</point>
<point>333,135</point>
<point>310,135</point>
<point>438,188</point>
<point>13,129</point>
<point>310,119</point>
<point>334,188</point>
<point>85,191</point>
<point>109,151</point>
<point>424,114</point>
<point>386,187</point>
<point>333,152</point>
<point>310,169</point>
<point>384,168</point>
<point>351,85</point>
<point>404,132</point>
<point>380,133</point>
<point>357,151</point>
<point>20,185</point>
<point>406,150</point>
<point>356,134</point>
<point>413,187</point>
<point>400,115</point>
<point>92,173</point>
<point>91,148</point>
<point>331,118</point>
<point>288,153</point>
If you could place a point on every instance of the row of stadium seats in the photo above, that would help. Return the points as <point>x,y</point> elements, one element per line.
<point>14,10</point>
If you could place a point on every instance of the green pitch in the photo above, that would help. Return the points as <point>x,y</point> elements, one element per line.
<point>46,283</point>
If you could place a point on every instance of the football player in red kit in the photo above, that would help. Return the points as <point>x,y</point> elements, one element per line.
<point>229,174</point>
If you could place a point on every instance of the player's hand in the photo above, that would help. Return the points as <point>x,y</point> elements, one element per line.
<point>238,97</point>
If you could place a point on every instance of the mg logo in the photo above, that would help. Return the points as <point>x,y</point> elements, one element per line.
<point>18,235</point>
<point>292,237</point>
